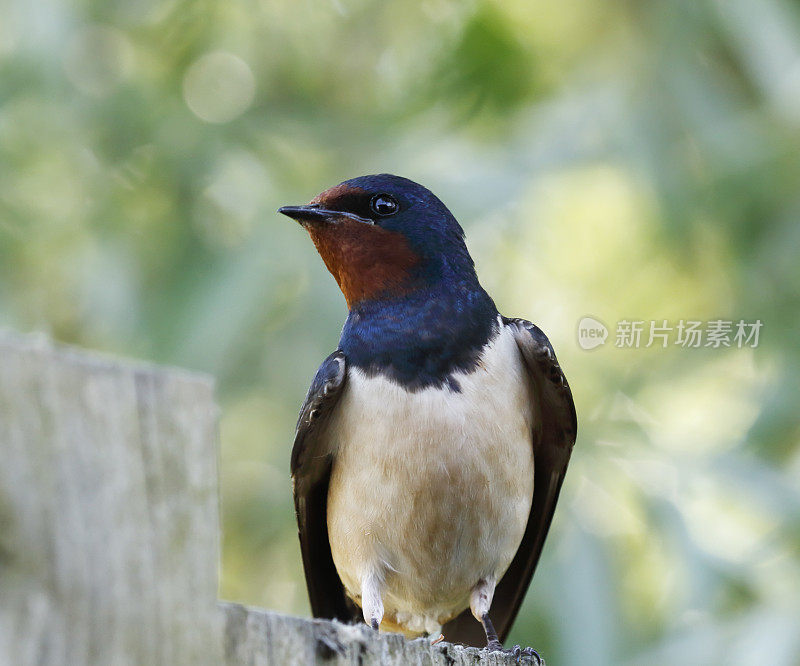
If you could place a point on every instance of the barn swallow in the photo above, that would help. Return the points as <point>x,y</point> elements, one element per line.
<point>432,444</point>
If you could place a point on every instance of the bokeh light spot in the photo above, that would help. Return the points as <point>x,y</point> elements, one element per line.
<point>219,87</point>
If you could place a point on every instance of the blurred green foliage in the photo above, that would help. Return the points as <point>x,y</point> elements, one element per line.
<point>637,159</point>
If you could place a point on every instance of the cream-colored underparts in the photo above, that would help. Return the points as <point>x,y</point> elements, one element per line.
<point>431,490</point>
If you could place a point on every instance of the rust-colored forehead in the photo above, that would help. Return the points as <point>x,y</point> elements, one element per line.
<point>339,195</point>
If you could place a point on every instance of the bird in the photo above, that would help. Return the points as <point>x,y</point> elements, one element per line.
<point>433,442</point>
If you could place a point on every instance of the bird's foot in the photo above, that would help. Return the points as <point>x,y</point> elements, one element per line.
<point>517,652</point>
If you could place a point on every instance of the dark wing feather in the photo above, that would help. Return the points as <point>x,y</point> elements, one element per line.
<point>554,431</point>
<point>312,460</point>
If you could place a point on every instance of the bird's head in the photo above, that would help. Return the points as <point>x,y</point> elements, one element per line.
<point>384,236</point>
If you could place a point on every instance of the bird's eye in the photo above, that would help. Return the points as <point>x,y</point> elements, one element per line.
<point>383,205</point>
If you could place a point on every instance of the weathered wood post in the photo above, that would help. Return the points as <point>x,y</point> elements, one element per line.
<point>109,534</point>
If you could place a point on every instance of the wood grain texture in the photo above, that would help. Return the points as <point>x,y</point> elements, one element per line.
<point>108,510</point>
<point>255,637</point>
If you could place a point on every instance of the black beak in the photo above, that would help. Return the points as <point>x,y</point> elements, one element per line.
<point>309,213</point>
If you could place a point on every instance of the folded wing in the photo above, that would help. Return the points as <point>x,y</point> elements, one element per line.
<point>312,460</point>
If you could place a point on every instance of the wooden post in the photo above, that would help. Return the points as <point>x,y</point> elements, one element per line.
<point>109,534</point>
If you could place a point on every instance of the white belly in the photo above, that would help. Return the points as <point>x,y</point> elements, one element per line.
<point>431,491</point>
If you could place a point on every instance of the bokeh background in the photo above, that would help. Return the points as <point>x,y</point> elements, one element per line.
<point>624,159</point>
